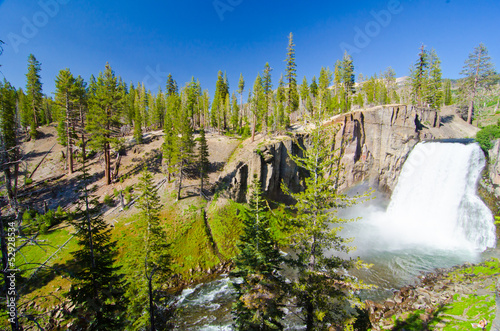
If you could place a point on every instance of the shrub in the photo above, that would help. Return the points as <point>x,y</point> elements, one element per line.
<point>44,229</point>
<point>108,200</point>
<point>128,189</point>
<point>486,135</point>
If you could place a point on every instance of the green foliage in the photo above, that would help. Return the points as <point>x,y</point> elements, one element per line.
<point>97,287</point>
<point>108,200</point>
<point>426,79</point>
<point>226,227</point>
<point>261,293</point>
<point>34,222</point>
<point>486,136</point>
<point>104,118</point>
<point>292,96</point>
<point>34,94</point>
<point>325,293</point>
<point>151,263</point>
<point>202,158</point>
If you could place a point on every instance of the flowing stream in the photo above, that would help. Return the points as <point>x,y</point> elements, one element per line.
<point>434,219</point>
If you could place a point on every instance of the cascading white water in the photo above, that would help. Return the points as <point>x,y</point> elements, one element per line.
<point>434,219</point>
<point>435,204</point>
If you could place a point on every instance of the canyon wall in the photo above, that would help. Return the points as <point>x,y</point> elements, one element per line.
<point>375,143</point>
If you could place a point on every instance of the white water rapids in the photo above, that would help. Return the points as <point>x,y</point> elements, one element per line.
<point>433,220</point>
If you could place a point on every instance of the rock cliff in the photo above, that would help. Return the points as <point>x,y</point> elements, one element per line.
<point>375,143</point>
<point>494,167</point>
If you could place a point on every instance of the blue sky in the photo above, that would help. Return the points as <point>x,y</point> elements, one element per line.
<point>144,41</point>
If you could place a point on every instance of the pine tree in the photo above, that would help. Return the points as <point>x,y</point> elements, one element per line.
<point>170,143</point>
<point>258,103</point>
<point>478,71</point>
<point>138,113</point>
<point>434,95</point>
<point>325,79</point>
<point>447,92</point>
<point>106,102</point>
<point>186,145</point>
<point>34,93</point>
<point>241,89</point>
<point>171,86</point>
<point>235,114</point>
<point>268,93</point>
<point>321,290</point>
<point>65,98</point>
<point>419,77</point>
<point>304,94</point>
<point>347,80</point>
<point>81,104</point>
<point>203,163</point>
<point>291,77</point>
<point>281,121</point>
<point>218,104</point>
<point>97,287</point>
<point>149,303</point>
<point>9,149</point>
<point>260,294</point>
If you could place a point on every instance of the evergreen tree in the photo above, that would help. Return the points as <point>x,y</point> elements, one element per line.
<point>235,114</point>
<point>241,89</point>
<point>304,94</point>
<point>281,121</point>
<point>389,76</point>
<point>325,79</point>
<point>34,93</point>
<point>419,77</point>
<point>258,103</point>
<point>291,77</point>
<point>268,93</point>
<point>171,86</point>
<point>106,101</point>
<point>203,163</point>
<point>65,98</point>
<point>170,143</point>
<point>186,145</point>
<point>81,105</point>
<point>434,96</point>
<point>97,288</point>
<point>347,80</point>
<point>218,115</point>
<point>138,113</point>
<point>159,109</point>
<point>149,302</point>
<point>447,92</point>
<point>324,293</point>
<point>9,149</point>
<point>478,71</point>
<point>260,294</point>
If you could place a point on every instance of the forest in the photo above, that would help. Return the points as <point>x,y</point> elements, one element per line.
<point>113,277</point>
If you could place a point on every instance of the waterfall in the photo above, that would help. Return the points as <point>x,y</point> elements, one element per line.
<point>435,204</point>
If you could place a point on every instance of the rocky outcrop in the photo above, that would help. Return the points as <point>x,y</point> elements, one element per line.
<point>375,143</point>
<point>494,168</point>
<point>443,299</point>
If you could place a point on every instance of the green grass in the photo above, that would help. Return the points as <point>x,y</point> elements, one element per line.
<point>226,228</point>
<point>31,255</point>
<point>185,228</point>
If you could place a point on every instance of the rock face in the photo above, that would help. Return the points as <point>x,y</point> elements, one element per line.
<point>375,144</point>
<point>494,167</point>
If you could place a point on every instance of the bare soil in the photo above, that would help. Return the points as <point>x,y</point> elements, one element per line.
<point>52,186</point>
